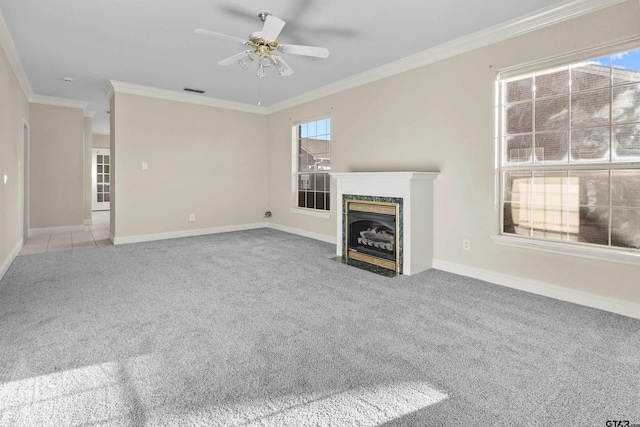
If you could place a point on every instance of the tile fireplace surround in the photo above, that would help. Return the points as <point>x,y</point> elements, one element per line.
<point>416,191</point>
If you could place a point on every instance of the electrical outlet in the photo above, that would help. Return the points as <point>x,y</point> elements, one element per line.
<point>192,217</point>
<point>466,244</point>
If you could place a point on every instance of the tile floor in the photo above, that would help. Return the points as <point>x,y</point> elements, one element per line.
<point>93,236</point>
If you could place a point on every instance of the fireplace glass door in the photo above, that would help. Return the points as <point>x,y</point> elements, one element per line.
<point>370,233</point>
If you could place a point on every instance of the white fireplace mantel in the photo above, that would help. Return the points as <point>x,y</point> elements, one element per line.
<point>416,191</point>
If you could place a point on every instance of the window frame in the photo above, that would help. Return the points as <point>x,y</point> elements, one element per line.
<point>295,132</point>
<point>582,249</point>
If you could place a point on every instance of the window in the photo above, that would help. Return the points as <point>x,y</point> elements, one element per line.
<point>314,164</point>
<point>570,152</point>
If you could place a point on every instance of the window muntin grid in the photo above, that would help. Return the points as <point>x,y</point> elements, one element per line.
<point>570,152</point>
<point>314,164</point>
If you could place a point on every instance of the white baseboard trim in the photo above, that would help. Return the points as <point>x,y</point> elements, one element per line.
<point>183,233</point>
<point>12,255</point>
<point>588,299</point>
<point>304,233</point>
<point>55,230</point>
<point>88,222</point>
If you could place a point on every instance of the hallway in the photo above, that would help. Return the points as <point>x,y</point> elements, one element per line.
<point>93,236</point>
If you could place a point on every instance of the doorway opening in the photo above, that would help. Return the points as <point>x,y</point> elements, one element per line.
<point>101,179</point>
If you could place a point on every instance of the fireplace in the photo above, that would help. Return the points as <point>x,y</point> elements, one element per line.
<point>371,193</point>
<point>372,232</point>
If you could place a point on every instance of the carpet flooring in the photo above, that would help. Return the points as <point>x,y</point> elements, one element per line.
<point>264,328</point>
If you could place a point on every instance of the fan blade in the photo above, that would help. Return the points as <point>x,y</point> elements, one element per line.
<point>220,36</point>
<point>272,27</point>
<point>282,67</point>
<point>233,59</point>
<point>318,52</point>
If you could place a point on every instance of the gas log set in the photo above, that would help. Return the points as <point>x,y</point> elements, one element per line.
<point>378,237</point>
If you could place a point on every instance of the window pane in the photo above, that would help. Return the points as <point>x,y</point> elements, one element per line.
<point>311,196</point>
<point>319,200</point>
<point>551,84</point>
<point>552,114</point>
<point>517,219</point>
<point>551,147</point>
<point>322,127</point>
<point>555,208</point>
<point>550,189</point>
<point>517,187</point>
<point>100,188</point>
<point>319,182</point>
<point>519,90</point>
<point>519,118</point>
<point>303,162</point>
<point>590,145</point>
<point>626,104</point>
<point>626,67</point>
<point>106,178</point>
<point>594,226</point>
<point>99,159</point>
<point>99,168</point>
<point>625,228</point>
<point>518,149</point>
<point>626,143</point>
<point>106,197</point>
<point>625,188</point>
<point>593,187</point>
<point>593,74</point>
<point>590,108</point>
<point>100,198</point>
<point>302,198</point>
<point>305,181</point>
<point>106,160</point>
<point>323,165</point>
<point>99,178</point>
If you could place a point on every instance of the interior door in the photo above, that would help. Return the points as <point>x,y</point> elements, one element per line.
<point>101,169</point>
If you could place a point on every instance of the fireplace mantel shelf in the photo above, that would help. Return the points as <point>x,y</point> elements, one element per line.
<point>386,175</point>
<point>416,190</point>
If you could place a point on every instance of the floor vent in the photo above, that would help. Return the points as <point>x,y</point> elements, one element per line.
<point>188,89</point>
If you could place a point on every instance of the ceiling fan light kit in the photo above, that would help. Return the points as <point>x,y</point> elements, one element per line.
<point>264,47</point>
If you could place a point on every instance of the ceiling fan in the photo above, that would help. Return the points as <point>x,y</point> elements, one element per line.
<point>264,47</point>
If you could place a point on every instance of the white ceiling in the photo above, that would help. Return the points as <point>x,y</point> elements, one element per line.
<point>152,42</point>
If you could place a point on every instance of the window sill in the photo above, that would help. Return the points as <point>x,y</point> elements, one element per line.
<point>311,212</point>
<point>623,256</point>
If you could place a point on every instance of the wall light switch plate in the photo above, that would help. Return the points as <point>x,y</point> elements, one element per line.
<point>145,166</point>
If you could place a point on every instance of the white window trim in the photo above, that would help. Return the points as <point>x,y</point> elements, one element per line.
<point>311,212</point>
<point>318,213</point>
<point>601,253</point>
<point>621,255</point>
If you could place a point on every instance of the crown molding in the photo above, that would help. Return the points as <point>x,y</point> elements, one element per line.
<point>522,25</point>
<point>169,95</point>
<point>6,42</point>
<point>59,102</point>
